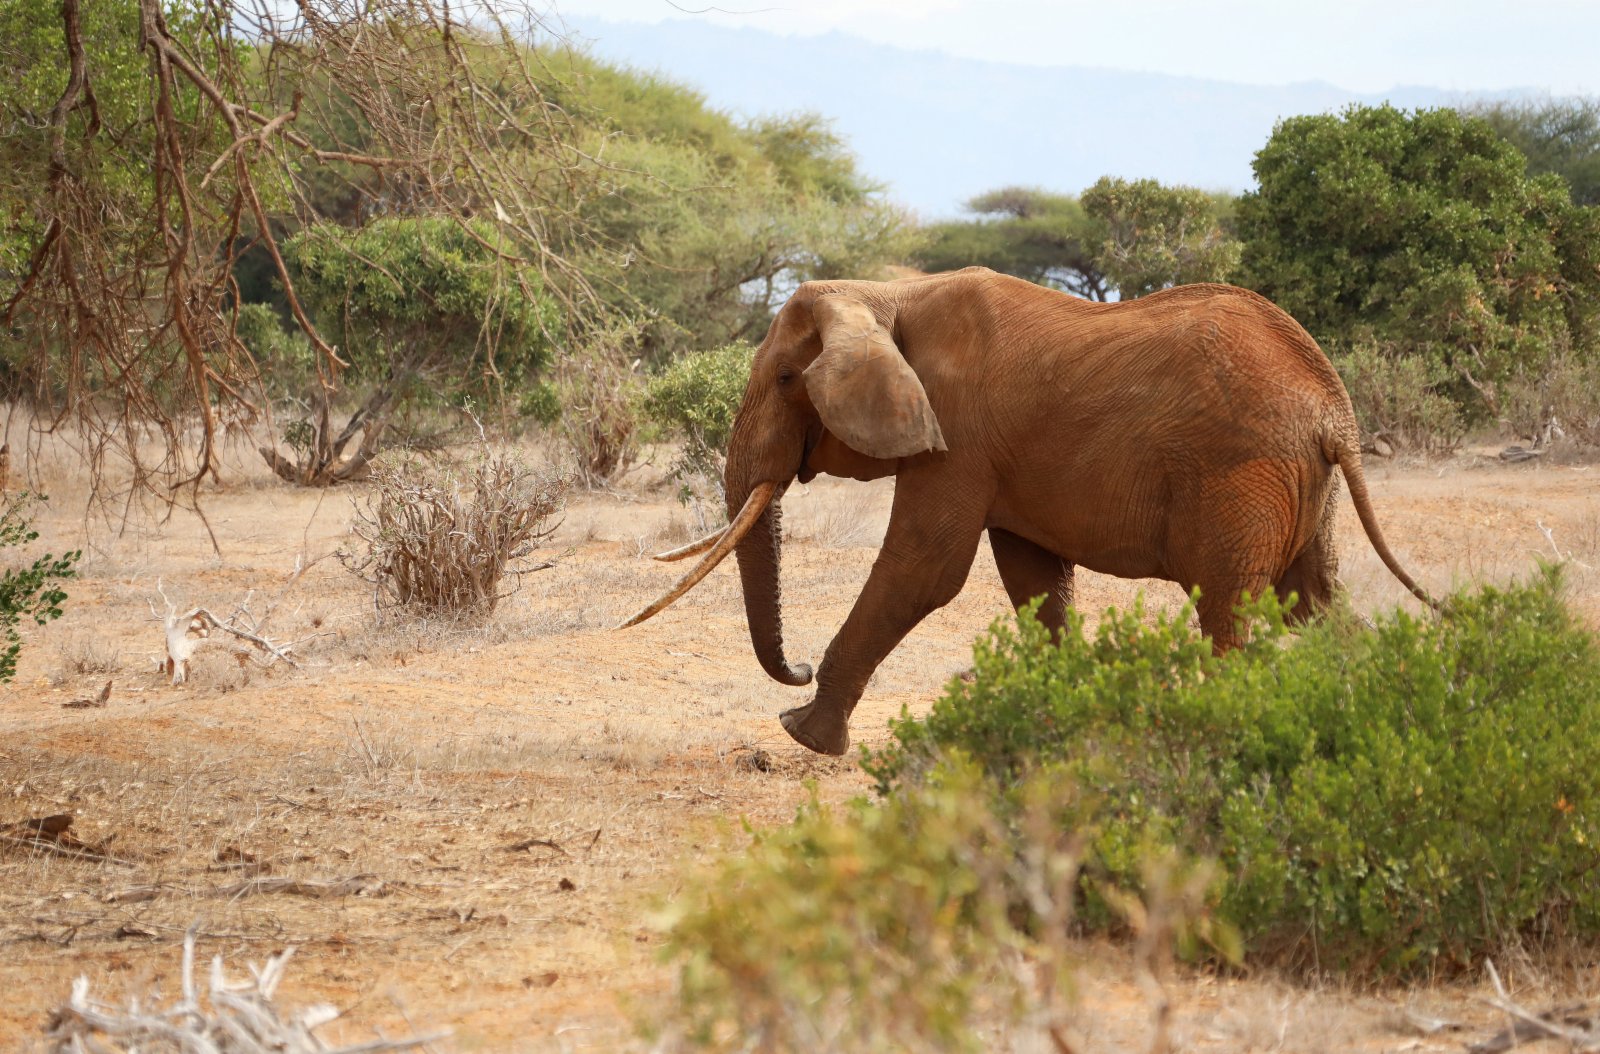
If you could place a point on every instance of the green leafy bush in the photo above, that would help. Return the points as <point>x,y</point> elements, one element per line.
<point>1425,230</point>
<point>283,356</point>
<point>696,398</point>
<point>429,297</point>
<point>866,927</point>
<point>1384,800</point>
<point>27,592</point>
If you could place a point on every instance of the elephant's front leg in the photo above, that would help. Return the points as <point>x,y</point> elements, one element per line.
<point>932,539</point>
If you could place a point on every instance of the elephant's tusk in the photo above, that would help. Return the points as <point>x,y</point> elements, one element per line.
<point>754,506</point>
<point>683,552</point>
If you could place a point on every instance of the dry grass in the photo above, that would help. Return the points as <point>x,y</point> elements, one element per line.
<point>87,654</point>
<point>831,517</point>
<point>416,753</point>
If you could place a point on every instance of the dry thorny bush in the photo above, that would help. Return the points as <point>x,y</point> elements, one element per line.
<point>442,543</point>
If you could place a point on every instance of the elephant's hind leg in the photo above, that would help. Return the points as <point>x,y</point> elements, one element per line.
<point>1236,541</point>
<point>1314,574</point>
<point>1029,571</point>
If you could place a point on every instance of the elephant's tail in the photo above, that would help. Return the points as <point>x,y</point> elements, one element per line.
<point>1347,455</point>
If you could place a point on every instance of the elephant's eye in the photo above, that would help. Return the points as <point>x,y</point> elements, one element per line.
<point>786,375</point>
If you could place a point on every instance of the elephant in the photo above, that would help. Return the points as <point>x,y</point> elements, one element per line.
<point>1188,435</point>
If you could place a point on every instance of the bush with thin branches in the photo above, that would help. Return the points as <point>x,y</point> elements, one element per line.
<point>443,543</point>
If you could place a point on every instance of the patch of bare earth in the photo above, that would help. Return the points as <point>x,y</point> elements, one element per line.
<point>466,827</point>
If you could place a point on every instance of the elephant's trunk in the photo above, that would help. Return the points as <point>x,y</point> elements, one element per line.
<point>758,555</point>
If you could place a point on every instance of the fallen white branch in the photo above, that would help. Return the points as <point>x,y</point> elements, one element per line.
<point>187,631</point>
<point>230,1017</point>
<point>1575,1028</point>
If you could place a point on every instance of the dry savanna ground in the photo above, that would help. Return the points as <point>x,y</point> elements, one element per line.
<point>499,807</point>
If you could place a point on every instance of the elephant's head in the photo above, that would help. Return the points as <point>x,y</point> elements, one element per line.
<point>830,392</point>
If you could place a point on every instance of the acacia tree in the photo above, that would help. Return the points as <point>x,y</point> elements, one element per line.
<point>1120,238</point>
<point>1422,234</point>
<point>1146,236</point>
<point>1034,234</point>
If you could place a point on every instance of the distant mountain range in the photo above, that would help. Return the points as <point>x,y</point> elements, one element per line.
<point>939,129</point>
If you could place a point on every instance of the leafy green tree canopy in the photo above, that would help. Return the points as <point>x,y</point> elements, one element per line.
<point>709,222</point>
<point>1421,231</point>
<point>1149,236</point>
<point>424,295</point>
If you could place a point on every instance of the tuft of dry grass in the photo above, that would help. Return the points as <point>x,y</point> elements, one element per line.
<point>89,654</point>
<point>834,519</point>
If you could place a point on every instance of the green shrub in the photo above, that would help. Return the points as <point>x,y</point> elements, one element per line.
<point>27,592</point>
<point>540,402</point>
<point>1425,230</point>
<point>284,357</point>
<point>1384,800</point>
<point>863,927</point>
<point>696,399</point>
<point>428,298</point>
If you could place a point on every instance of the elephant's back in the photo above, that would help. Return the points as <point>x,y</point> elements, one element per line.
<point>1237,331</point>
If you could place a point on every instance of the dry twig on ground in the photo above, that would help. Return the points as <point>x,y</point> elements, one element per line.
<point>1577,1026</point>
<point>186,632</point>
<point>228,1017</point>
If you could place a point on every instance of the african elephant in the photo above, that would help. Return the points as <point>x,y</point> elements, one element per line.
<point>1189,435</point>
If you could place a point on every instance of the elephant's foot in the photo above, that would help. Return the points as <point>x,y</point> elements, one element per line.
<point>823,731</point>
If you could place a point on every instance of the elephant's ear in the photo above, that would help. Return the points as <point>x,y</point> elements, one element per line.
<point>865,391</point>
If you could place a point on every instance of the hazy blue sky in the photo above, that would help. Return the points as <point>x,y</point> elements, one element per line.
<point>1361,45</point>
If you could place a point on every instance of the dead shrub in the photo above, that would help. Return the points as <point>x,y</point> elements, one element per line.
<point>441,542</point>
<point>1401,401</point>
<point>1561,399</point>
<point>223,1014</point>
<point>599,389</point>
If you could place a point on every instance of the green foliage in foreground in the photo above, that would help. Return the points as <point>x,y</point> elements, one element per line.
<point>1383,801</point>
<point>27,592</point>
<point>696,398</point>
<point>864,927</point>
